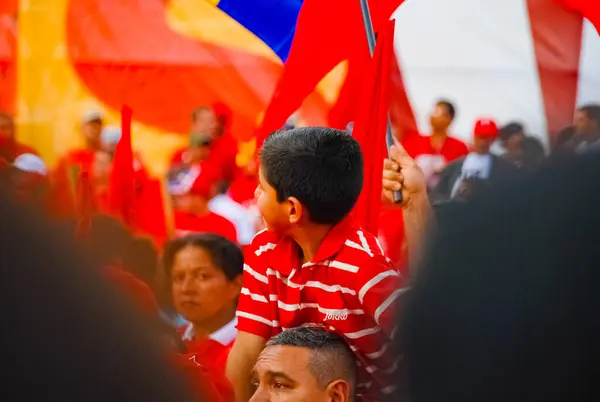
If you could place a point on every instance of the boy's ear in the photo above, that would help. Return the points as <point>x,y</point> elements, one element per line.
<point>295,210</point>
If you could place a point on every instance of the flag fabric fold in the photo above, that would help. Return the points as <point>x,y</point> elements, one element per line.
<point>327,33</point>
<point>371,125</point>
<point>589,9</point>
<point>121,187</point>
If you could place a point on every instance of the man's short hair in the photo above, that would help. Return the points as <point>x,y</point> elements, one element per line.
<point>330,356</point>
<point>592,111</point>
<point>449,106</point>
<point>321,167</point>
<point>225,255</point>
<point>199,110</point>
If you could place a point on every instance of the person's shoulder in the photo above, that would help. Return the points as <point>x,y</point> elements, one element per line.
<point>26,149</point>
<point>362,248</point>
<point>457,143</point>
<point>262,245</point>
<point>263,241</point>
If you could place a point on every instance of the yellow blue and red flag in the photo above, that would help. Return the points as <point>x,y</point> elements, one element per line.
<point>273,21</point>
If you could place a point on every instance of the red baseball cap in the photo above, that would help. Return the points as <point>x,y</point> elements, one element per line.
<point>485,128</point>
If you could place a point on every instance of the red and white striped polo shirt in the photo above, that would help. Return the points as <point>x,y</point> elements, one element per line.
<point>350,288</point>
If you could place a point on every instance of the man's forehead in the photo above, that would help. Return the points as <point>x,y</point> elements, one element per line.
<point>282,358</point>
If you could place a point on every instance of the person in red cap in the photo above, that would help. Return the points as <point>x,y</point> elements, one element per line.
<point>465,176</point>
<point>191,192</point>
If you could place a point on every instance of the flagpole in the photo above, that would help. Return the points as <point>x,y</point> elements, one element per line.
<point>389,139</point>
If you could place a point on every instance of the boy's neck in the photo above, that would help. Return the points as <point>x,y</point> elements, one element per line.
<point>309,239</point>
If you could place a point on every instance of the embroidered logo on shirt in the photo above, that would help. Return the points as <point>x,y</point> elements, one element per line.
<point>336,316</point>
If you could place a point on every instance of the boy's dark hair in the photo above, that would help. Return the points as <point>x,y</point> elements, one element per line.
<point>321,167</point>
<point>449,107</point>
<point>225,254</point>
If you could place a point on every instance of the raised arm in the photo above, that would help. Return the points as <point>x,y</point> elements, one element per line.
<point>403,173</point>
<point>241,360</point>
<point>255,326</point>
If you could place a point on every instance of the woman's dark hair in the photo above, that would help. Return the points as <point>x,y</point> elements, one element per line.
<point>225,254</point>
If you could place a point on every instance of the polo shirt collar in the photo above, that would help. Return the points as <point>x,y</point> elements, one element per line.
<point>334,240</point>
<point>287,250</point>
<point>224,335</point>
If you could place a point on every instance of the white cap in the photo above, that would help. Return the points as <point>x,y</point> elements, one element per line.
<point>30,163</point>
<point>91,116</point>
<point>110,135</point>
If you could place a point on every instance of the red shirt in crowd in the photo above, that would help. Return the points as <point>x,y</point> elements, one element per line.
<point>208,383</point>
<point>433,160</point>
<point>223,154</point>
<point>350,288</point>
<point>216,347</point>
<point>187,223</point>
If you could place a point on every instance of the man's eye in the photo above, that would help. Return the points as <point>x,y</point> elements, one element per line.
<point>279,385</point>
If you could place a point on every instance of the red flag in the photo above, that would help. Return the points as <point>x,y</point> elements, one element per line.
<point>589,9</point>
<point>150,216</point>
<point>348,103</point>
<point>370,128</point>
<point>327,33</point>
<point>121,187</point>
<point>84,205</point>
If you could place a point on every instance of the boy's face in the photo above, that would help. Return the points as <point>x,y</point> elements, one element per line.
<point>275,214</point>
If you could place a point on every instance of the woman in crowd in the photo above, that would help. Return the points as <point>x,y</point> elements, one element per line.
<point>205,272</point>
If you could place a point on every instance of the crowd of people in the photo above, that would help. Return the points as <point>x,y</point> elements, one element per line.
<point>266,288</point>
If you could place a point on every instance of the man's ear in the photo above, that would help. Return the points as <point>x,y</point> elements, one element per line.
<point>339,391</point>
<point>295,210</point>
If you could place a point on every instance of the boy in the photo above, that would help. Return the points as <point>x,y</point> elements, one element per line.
<point>313,265</point>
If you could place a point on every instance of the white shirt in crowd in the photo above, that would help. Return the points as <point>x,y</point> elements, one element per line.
<point>241,217</point>
<point>475,166</point>
<point>224,335</point>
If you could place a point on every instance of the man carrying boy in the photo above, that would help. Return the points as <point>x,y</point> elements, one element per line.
<point>314,265</point>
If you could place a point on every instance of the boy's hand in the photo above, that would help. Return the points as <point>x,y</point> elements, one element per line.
<point>402,173</point>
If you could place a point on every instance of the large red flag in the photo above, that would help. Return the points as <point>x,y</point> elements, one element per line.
<point>121,187</point>
<point>371,125</point>
<point>327,33</point>
<point>589,9</point>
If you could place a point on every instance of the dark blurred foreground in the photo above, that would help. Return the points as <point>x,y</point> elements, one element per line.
<point>506,307</point>
<point>67,334</point>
